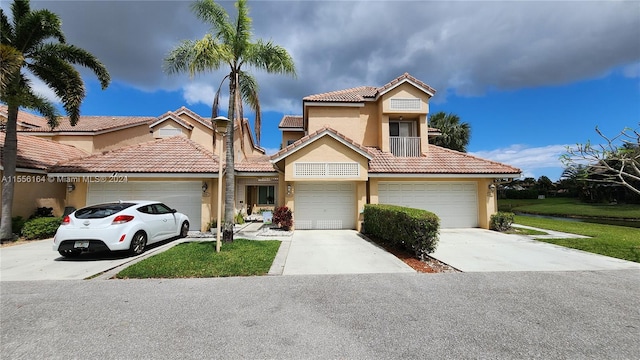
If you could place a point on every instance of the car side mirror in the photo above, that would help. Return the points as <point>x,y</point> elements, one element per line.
<point>174,211</point>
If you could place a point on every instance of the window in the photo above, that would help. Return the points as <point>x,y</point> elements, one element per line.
<point>326,170</point>
<point>401,128</point>
<point>168,132</point>
<point>266,195</point>
<point>405,104</point>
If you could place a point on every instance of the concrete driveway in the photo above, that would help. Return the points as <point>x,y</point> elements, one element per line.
<point>36,260</point>
<point>477,250</point>
<point>338,252</point>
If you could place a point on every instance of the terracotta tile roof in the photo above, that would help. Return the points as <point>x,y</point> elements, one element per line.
<point>24,118</point>
<point>358,94</point>
<point>312,137</point>
<point>403,77</point>
<point>438,160</point>
<point>259,163</point>
<point>366,93</point>
<point>38,153</point>
<point>171,155</point>
<point>291,121</point>
<point>96,123</point>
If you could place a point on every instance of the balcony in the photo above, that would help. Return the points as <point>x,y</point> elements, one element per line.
<point>404,146</point>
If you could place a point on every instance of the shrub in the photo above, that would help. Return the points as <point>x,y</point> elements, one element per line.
<point>239,218</point>
<point>17,223</point>
<point>414,229</point>
<point>501,221</point>
<point>283,218</point>
<point>42,212</point>
<point>41,228</point>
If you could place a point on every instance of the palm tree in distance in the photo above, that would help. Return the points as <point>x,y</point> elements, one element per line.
<point>33,42</point>
<point>230,43</point>
<point>455,135</point>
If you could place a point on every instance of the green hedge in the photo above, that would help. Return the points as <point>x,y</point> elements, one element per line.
<point>414,229</point>
<point>41,228</point>
<point>502,221</point>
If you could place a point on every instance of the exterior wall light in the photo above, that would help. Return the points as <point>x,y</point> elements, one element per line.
<point>70,187</point>
<point>289,189</point>
<point>492,189</point>
<point>205,186</point>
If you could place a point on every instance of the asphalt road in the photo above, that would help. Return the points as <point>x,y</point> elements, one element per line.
<point>506,315</point>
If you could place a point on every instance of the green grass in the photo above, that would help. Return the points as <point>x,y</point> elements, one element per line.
<point>569,207</point>
<point>616,241</point>
<point>199,259</point>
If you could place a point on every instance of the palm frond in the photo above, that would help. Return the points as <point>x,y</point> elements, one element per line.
<point>242,39</point>
<point>35,28</point>
<point>216,16</point>
<point>272,58</point>
<point>43,106</point>
<point>6,29</point>
<point>63,79</point>
<point>78,56</point>
<point>11,63</point>
<point>215,108</point>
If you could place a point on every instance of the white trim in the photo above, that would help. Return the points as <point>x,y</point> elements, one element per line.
<point>436,176</point>
<point>291,128</point>
<point>252,174</point>
<point>332,103</point>
<point>175,120</point>
<point>318,136</point>
<point>139,175</point>
<point>431,94</point>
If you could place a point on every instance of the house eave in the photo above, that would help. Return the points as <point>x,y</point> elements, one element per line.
<point>444,175</point>
<point>122,177</point>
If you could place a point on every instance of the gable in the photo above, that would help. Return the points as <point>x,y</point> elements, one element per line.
<point>405,98</point>
<point>326,151</point>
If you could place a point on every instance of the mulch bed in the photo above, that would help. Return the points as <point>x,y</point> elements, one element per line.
<point>430,265</point>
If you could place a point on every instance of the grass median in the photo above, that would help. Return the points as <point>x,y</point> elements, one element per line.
<point>616,241</point>
<point>199,259</point>
<point>570,207</point>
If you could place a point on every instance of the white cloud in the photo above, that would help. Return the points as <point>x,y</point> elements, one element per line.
<point>42,89</point>
<point>195,93</point>
<point>533,161</point>
<point>271,151</point>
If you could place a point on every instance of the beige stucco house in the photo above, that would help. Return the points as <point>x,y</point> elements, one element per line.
<point>348,148</point>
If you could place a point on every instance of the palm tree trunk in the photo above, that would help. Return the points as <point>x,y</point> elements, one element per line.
<point>10,150</point>
<point>229,196</point>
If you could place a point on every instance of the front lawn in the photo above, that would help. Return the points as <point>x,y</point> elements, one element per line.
<point>616,241</point>
<point>199,259</point>
<point>569,207</point>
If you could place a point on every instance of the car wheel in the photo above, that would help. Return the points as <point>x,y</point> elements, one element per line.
<point>138,243</point>
<point>184,230</point>
<point>70,253</point>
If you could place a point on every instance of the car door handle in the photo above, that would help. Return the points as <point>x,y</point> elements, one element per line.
<point>165,220</point>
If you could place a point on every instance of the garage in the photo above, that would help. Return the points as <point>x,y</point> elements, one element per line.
<point>327,205</point>
<point>455,203</point>
<point>184,196</point>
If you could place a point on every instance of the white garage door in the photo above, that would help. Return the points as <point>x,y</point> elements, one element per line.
<point>325,206</point>
<point>183,196</point>
<point>455,203</point>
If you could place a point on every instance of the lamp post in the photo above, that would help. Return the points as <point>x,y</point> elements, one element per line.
<point>221,129</point>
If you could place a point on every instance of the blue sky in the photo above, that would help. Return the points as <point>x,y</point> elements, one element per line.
<point>529,77</point>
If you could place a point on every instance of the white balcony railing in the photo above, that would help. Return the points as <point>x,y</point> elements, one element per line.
<point>402,146</point>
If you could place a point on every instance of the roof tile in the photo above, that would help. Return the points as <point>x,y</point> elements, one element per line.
<point>291,121</point>
<point>26,118</point>
<point>96,123</point>
<point>437,160</point>
<point>171,155</point>
<point>38,153</point>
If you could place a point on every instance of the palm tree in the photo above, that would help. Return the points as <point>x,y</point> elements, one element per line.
<point>455,135</point>
<point>230,43</point>
<point>37,37</point>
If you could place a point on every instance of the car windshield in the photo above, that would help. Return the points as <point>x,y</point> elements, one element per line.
<point>101,211</point>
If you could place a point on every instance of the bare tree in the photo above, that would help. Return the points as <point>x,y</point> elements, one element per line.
<point>616,161</point>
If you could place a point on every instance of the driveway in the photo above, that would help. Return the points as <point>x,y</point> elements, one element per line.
<point>36,260</point>
<point>478,250</point>
<point>338,252</point>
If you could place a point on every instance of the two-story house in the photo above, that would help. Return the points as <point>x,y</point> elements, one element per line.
<point>371,145</point>
<point>348,148</point>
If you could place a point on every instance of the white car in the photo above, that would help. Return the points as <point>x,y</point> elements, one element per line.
<point>123,225</point>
